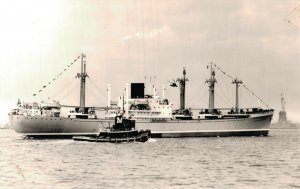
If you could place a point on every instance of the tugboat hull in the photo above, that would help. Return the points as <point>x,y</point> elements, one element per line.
<point>117,137</point>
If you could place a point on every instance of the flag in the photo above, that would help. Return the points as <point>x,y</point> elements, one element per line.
<point>294,17</point>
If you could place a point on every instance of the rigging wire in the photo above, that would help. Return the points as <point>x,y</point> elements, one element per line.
<point>78,90</point>
<point>203,94</point>
<point>95,96</point>
<point>55,78</point>
<point>249,90</point>
<point>142,9</point>
<point>249,98</point>
<point>63,89</point>
<point>68,93</point>
<point>157,24</point>
<point>196,93</point>
<point>221,97</point>
<point>136,30</point>
<point>127,31</point>
<point>206,96</point>
<point>94,84</point>
<point>221,93</point>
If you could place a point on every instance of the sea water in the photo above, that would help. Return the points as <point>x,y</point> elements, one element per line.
<point>229,162</point>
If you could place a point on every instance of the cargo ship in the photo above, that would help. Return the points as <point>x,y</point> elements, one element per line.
<point>151,112</point>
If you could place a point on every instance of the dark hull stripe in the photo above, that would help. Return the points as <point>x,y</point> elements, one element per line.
<point>171,135</point>
<point>211,134</point>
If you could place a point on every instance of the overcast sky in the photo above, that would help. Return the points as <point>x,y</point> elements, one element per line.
<point>126,40</point>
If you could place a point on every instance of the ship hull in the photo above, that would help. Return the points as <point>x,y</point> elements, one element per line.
<point>39,126</point>
<point>258,125</point>
<point>56,127</point>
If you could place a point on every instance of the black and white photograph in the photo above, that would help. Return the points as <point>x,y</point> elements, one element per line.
<point>149,94</point>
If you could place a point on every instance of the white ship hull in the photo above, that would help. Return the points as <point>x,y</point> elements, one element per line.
<point>39,126</point>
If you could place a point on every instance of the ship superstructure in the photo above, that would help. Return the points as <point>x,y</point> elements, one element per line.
<point>157,114</point>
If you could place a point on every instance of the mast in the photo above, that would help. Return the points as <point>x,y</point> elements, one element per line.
<point>211,84</point>
<point>123,103</point>
<point>108,96</point>
<point>236,82</point>
<point>182,89</point>
<point>82,77</point>
<point>154,91</point>
<point>163,92</point>
<point>127,100</point>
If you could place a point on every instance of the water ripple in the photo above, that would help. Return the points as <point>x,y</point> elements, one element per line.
<point>234,162</point>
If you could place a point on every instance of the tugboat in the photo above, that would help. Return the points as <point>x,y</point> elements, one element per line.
<point>122,131</point>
